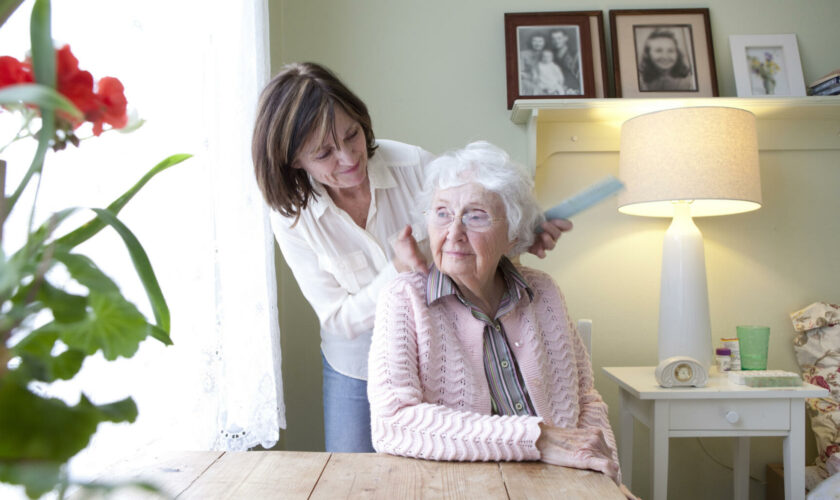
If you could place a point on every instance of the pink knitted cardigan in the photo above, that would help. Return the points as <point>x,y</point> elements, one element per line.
<point>428,393</point>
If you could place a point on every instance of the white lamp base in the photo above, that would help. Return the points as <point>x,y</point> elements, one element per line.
<point>684,328</point>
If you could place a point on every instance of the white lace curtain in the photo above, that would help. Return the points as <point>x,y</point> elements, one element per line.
<point>193,69</point>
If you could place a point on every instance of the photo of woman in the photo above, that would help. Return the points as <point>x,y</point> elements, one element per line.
<point>665,57</point>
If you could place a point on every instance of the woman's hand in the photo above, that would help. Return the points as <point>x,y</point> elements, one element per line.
<point>579,448</point>
<point>546,240</point>
<point>407,256</point>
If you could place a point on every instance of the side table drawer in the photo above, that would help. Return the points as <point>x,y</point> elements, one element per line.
<point>724,414</point>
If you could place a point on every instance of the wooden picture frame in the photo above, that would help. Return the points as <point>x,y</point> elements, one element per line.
<point>579,54</point>
<point>766,65</point>
<point>663,53</point>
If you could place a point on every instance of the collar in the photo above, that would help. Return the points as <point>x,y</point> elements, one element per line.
<point>379,174</point>
<point>439,285</point>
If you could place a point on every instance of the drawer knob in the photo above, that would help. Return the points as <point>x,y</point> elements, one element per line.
<point>732,417</point>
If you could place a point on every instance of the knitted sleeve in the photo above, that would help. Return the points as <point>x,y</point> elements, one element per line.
<point>593,410</point>
<point>571,361</point>
<point>402,422</point>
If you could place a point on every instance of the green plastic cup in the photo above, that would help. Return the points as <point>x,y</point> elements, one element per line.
<point>753,342</point>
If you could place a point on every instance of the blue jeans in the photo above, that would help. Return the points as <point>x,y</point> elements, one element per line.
<point>346,412</point>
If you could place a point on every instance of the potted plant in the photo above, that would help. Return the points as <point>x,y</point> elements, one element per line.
<point>38,433</point>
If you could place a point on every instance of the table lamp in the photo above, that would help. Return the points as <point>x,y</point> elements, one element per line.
<point>684,163</point>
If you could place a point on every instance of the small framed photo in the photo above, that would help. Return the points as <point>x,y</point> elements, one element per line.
<point>555,55</point>
<point>766,65</point>
<point>663,53</point>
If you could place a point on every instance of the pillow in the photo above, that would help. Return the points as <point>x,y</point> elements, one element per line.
<point>817,347</point>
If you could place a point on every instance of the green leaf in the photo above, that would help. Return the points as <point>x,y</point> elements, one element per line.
<point>142,266</point>
<point>47,429</point>
<point>38,343</point>
<point>49,368</point>
<point>43,52</point>
<point>160,335</point>
<point>66,307</point>
<point>85,271</point>
<point>39,95</point>
<point>10,275</point>
<point>118,489</point>
<point>113,325</point>
<point>35,242</point>
<point>86,231</point>
<point>38,477</point>
<point>37,361</point>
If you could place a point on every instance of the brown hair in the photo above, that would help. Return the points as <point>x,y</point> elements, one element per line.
<point>299,101</point>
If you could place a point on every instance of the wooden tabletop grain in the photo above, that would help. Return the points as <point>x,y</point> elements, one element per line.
<point>305,475</point>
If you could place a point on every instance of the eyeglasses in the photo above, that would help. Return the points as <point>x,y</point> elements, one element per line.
<point>474,220</point>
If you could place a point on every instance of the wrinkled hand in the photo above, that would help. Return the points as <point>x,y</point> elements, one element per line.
<point>579,448</point>
<point>546,240</point>
<point>407,256</point>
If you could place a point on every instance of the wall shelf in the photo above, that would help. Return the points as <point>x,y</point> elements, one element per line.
<point>594,125</point>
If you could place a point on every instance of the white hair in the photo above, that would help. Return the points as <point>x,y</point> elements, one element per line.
<point>490,167</point>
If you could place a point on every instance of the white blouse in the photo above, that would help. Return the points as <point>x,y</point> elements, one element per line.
<point>341,267</point>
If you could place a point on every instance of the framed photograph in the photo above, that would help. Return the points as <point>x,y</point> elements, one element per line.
<point>663,53</point>
<point>766,65</point>
<point>555,55</point>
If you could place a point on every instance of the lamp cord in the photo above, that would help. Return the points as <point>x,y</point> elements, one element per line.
<point>715,460</point>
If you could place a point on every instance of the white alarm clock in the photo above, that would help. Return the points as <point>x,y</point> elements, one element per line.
<point>680,371</point>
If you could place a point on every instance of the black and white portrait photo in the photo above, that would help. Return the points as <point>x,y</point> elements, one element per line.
<point>665,58</point>
<point>549,60</point>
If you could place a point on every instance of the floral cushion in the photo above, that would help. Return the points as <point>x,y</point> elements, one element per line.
<point>817,348</point>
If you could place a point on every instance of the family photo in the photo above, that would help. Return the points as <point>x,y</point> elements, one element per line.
<point>549,60</point>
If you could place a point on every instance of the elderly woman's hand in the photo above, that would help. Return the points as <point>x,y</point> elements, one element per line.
<point>546,240</point>
<point>407,255</point>
<point>579,448</point>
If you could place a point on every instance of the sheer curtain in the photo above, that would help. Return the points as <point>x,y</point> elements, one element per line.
<point>193,70</point>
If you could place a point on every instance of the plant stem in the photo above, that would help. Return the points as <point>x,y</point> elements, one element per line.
<point>34,204</point>
<point>4,356</point>
<point>2,198</point>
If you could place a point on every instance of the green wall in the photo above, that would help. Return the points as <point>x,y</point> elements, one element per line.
<point>433,73</point>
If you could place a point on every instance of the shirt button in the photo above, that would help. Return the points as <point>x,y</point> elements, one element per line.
<point>505,364</point>
<point>497,327</point>
<point>517,344</point>
<point>518,406</point>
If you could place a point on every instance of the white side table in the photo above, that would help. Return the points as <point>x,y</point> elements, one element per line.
<point>719,409</point>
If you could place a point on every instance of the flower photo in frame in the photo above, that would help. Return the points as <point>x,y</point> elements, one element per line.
<point>663,53</point>
<point>555,55</point>
<point>766,65</point>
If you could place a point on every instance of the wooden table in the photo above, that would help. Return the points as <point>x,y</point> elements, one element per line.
<point>720,408</point>
<point>290,475</point>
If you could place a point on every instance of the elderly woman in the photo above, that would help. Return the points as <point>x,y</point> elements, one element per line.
<point>478,360</point>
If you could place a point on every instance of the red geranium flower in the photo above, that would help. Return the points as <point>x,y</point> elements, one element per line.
<point>105,105</point>
<point>75,84</point>
<point>112,105</point>
<point>13,72</point>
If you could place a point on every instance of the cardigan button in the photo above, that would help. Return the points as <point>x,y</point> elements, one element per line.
<point>517,344</point>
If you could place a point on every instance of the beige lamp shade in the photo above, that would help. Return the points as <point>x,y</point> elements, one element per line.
<point>705,155</point>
